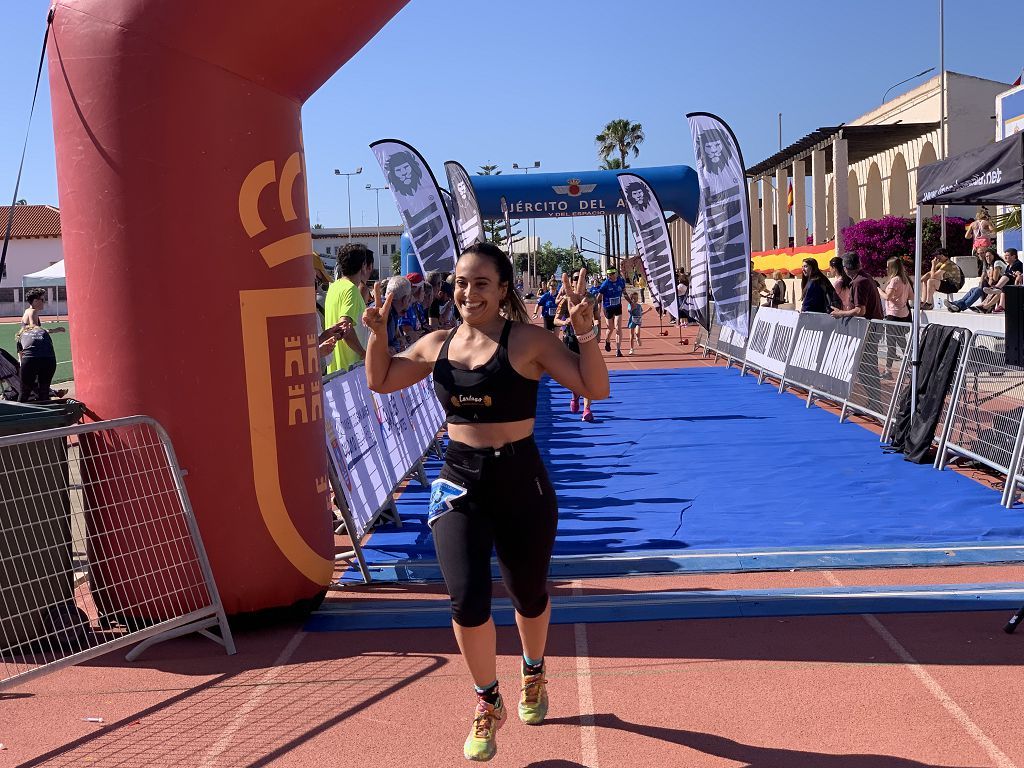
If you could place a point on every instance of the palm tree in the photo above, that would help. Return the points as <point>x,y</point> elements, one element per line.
<point>622,136</point>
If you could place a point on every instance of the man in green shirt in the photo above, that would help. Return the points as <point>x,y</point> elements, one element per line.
<point>344,299</point>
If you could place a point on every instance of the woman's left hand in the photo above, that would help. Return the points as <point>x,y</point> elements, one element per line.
<point>581,313</point>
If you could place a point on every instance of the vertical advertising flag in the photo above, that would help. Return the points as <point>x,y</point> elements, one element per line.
<point>723,209</point>
<point>697,297</point>
<point>508,226</point>
<point>419,201</point>
<point>652,237</point>
<point>449,205</point>
<point>466,209</point>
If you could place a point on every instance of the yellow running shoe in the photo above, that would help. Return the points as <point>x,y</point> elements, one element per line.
<point>481,744</point>
<point>533,704</point>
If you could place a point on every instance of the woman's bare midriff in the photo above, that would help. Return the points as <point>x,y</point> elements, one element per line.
<point>491,435</point>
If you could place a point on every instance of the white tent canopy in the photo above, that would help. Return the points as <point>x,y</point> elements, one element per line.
<point>52,275</point>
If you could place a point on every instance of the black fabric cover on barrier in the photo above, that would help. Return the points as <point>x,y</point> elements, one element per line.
<point>940,354</point>
<point>993,174</point>
<point>826,352</point>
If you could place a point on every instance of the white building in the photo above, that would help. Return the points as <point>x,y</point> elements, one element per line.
<point>328,241</point>
<point>35,244</point>
<point>866,168</point>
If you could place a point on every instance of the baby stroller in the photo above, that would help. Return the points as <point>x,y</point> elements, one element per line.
<point>10,378</point>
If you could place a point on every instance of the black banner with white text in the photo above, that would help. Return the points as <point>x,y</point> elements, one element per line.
<point>466,210</point>
<point>825,353</point>
<point>652,236</point>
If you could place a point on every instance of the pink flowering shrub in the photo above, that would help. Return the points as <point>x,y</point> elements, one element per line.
<point>878,240</point>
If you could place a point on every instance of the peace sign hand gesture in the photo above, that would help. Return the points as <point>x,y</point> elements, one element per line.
<point>581,312</point>
<point>376,317</point>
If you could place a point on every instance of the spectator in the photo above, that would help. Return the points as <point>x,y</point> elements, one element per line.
<point>841,281</point>
<point>777,297</point>
<point>864,295</point>
<point>944,277</point>
<point>819,295</point>
<point>981,233</point>
<point>993,270</point>
<point>758,287</point>
<point>867,303</point>
<point>1011,272</point>
<point>35,349</point>
<point>345,299</point>
<point>402,289</point>
<point>898,293</point>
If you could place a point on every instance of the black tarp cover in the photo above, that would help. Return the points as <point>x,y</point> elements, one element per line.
<point>989,175</point>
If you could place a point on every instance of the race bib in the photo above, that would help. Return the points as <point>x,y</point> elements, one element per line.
<point>442,494</point>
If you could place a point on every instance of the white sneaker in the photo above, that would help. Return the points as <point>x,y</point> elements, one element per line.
<point>631,350</point>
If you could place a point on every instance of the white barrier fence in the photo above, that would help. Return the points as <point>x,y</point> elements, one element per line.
<point>374,442</point>
<point>99,548</point>
<point>864,367</point>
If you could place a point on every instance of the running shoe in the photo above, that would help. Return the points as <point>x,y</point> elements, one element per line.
<point>607,346</point>
<point>618,352</point>
<point>631,350</point>
<point>533,703</point>
<point>588,415</point>
<point>574,404</point>
<point>481,744</point>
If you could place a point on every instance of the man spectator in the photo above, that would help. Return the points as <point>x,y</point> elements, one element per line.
<point>345,300</point>
<point>943,277</point>
<point>867,303</point>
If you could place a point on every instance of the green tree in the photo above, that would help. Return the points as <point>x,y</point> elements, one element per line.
<point>551,257</point>
<point>621,136</point>
<point>494,229</point>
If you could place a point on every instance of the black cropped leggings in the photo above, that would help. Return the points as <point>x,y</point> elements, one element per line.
<point>494,500</point>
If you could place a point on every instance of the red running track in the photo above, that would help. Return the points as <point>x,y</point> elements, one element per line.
<point>898,691</point>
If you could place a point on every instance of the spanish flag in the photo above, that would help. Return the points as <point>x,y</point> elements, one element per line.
<point>789,198</point>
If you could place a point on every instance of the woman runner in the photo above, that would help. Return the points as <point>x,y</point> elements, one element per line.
<point>493,492</point>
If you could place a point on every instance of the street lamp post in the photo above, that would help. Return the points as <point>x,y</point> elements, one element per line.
<point>377,191</point>
<point>348,186</point>
<point>529,243</point>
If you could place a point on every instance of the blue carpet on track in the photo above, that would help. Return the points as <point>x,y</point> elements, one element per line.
<point>701,460</point>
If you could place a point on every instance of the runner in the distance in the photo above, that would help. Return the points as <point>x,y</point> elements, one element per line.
<point>547,304</point>
<point>493,492</point>
<point>611,301</point>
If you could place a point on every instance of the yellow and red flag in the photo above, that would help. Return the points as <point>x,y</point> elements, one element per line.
<point>789,198</point>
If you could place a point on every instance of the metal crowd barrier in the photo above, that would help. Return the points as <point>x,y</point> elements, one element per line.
<point>882,365</point>
<point>99,548</point>
<point>987,406</point>
<point>712,339</point>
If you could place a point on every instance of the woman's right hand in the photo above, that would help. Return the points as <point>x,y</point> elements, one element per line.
<point>376,317</point>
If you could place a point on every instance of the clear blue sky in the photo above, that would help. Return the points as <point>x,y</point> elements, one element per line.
<point>546,75</point>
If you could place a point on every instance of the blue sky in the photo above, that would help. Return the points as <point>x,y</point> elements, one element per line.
<point>544,76</point>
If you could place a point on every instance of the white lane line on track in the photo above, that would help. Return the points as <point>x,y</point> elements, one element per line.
<point>588,733</point>
<point>999,758</point>
<point>259,690</point>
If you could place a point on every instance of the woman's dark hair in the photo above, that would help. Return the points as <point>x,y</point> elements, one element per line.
<point>35,293</point>
<point>816,275</point>
<point>836,262</point>
<point>513,306</point>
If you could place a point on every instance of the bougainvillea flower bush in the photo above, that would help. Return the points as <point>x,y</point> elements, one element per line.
<point>878,240</point>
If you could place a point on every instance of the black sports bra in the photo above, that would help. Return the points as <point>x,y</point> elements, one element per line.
<point>489,394</point>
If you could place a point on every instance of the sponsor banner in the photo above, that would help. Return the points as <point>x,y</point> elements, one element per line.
<point>374,440</point>
<point>825,352</point>
<point>771,338</point>
<point>651,230</point>
<point>992,174</point>
<point>465,209</point>
<point>732,343</point>
<point>420,204</point>
<point>697,296</point>
<point>723,208</point>
<point>353,444</point>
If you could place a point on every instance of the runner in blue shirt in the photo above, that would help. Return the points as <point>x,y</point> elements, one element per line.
<point>611,302</point>
<point>547,305</point>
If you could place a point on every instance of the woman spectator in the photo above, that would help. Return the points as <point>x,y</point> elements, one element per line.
<point>819,295</point>
<point>944,277</point>
<point>981,233</point>
<point>777,297</point>
<point>841,281</point>
<point>896,295</point>
<point>401,288</point>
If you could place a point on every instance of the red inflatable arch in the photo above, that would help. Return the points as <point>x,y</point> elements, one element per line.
<point>186,231</point>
